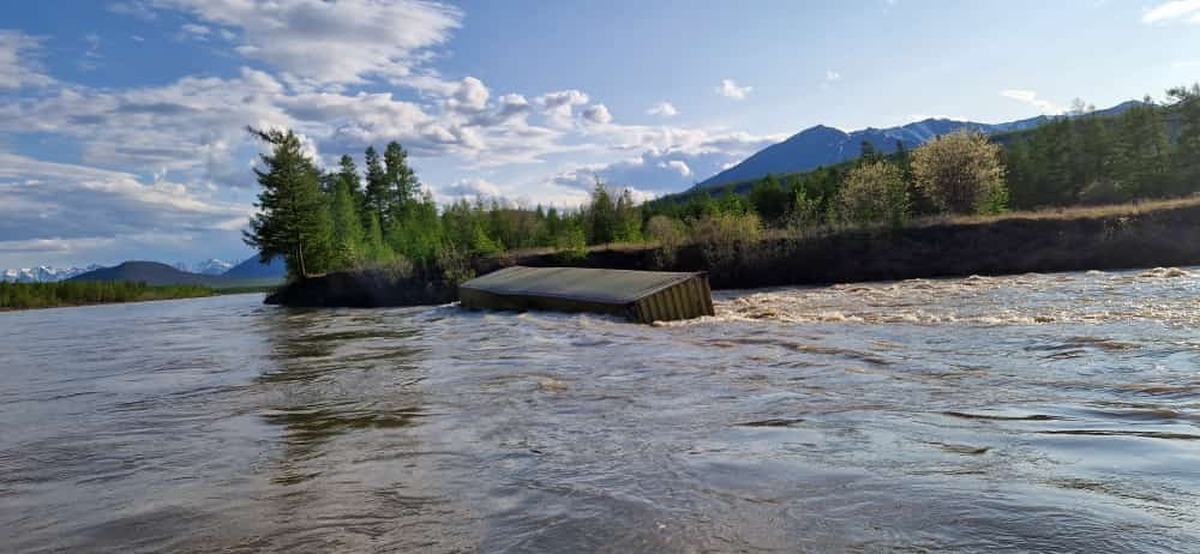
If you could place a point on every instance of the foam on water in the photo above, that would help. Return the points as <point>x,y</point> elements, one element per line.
<point>1167,295</point>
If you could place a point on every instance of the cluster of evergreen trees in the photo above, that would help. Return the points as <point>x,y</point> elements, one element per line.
<point>1148,151</point>
<point>324,221</point>
<point>327,221</point>
<point>21,296</point>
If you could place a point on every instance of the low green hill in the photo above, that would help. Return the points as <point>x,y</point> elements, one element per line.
<point>159,274</point>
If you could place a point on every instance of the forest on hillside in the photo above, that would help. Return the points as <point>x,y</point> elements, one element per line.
<point>321,221</point>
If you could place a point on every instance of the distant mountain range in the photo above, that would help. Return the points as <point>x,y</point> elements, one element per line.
<point>212,272</point>
<point>43,274</point>
<point>250,268</point>
<point>823,146</point>
<point>151,273</point>
<point>207,267</point>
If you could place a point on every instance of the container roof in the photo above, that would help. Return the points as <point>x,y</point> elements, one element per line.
<point>617,286</point>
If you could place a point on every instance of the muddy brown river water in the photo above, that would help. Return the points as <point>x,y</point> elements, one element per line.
<point>1056,413</point>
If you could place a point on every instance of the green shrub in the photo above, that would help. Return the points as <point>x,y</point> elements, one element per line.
<point>962,173</point>
<point>724,235</point>
<point>874,192</point>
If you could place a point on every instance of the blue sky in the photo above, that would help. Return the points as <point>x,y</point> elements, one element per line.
<point>121,121</point>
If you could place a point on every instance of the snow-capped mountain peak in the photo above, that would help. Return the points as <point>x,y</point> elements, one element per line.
<point>212,267</point>
<point>43,274</point>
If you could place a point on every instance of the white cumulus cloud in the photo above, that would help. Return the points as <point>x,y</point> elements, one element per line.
<point>597,114</point>
<point>730,89</point>
<point>471,96</point>
<point>330,41</point>
<point>559,105</point>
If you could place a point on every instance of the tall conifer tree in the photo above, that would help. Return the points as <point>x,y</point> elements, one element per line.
<point>376,196</point>
<point>292,221</point>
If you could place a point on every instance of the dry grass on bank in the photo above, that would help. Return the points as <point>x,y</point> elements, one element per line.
<point>1058,214</point>
<point>1074,212</point>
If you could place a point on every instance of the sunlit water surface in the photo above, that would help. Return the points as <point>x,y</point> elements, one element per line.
<point>1027,413</point>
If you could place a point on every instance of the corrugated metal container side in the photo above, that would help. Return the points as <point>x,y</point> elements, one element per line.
<point>688,299</point>
<point>642,296</point>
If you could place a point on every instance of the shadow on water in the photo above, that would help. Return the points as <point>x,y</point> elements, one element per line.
<point>335,374</point>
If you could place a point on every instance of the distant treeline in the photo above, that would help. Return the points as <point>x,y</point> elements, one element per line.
<point>1148,151</point>
<point>327,221</point>
<point>20,296</point>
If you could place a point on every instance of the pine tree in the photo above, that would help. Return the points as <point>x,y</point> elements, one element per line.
<point>401,182</point>
<point>418,234</point>
<point>349,175</point>
<point>629,218</point>
<point>375,198</point>
<point>377,250</point>
<point>601,215</point>
<point>1142,151</point>
<point>292,220</point>
<point>769,199</point>
<point>1186,156</point>
<point>1051,160</point>
<point>1022,184</point>
<point>457,225</point>
<point>401,207</point>
<point>554,226</point>
<point>348,233</point>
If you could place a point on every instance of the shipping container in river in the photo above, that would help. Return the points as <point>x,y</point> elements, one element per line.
<point>642,296</point>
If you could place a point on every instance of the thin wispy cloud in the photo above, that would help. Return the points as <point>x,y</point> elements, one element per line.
<point>1031,97</point>
<point>730,89</point>
<point>196,32</point>
<point>1176,10</point>
<point>677,165</point>
<point>90,61</point>
<point>831,77</point>
<point>19,61</point>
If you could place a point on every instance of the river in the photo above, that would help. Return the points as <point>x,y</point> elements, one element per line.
<point>1026,413</point>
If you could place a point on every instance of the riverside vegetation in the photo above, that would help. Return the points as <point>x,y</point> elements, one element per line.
<point>393,244</point>
<point>22,296</point>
